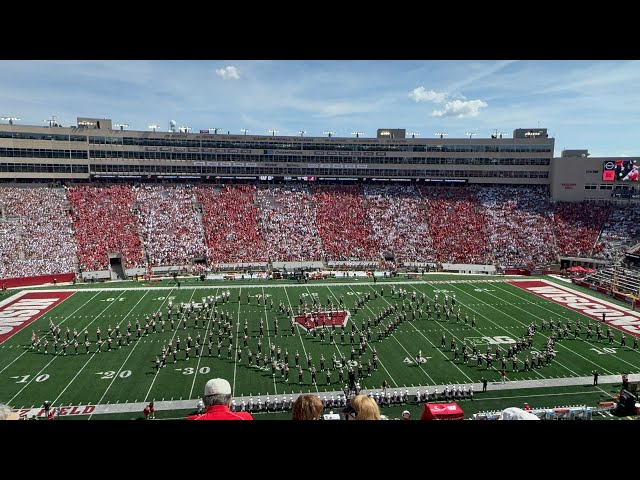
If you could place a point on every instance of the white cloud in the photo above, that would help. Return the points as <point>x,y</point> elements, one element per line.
<point>461,109</point>
<point>228,73</point>
<point>420,94</point>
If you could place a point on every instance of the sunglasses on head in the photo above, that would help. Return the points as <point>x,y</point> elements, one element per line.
<point>349,411</point>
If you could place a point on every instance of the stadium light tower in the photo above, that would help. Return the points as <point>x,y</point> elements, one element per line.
<point>154,126</point>
<point>498,134</point>
<point>10,119</point>
<point>302,132</point>
<point>52,121</point>
<point>413,134</point>
<point>471,134</point>
<point>273,132</point>
<point>215,130</point>
<point>184,129</point>
<point>441,134</point>
<point>357,134</point>
<point>329,133</point>
<point>121,125</point>
<point>244,130</point>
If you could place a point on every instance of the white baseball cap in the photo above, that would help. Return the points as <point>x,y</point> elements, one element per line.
<point>217,386</point>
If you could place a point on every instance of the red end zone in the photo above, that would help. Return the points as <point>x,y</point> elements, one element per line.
<point>626,320</point>
<point>24,308</point>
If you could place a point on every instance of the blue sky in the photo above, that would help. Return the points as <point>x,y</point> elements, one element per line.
<point>584,104</point>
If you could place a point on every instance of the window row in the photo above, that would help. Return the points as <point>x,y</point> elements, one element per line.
<point>42,168</point>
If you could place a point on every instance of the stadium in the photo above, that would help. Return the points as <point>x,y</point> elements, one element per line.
<point>137,265</point>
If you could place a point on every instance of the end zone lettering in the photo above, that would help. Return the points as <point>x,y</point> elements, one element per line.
<point>626,320</point>
<point>24,308</point>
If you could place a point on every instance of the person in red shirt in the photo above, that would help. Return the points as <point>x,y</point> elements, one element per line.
<point>149,411</point>
<point>217,400</point>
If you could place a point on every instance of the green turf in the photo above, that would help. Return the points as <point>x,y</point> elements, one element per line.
<point>127,374</point>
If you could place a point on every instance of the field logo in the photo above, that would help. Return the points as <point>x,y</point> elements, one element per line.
<point>591,307</point>
<point>24,308</point>
<point>311,321</point>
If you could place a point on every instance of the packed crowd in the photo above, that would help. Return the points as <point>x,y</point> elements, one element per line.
<point>399,223</point>
<point>519,225</point>
<point>343,223</point>
<point>170,224</point>
<point>619,232</point>
<point>457,225</point>
<point>230,224</point>
<point>35,232</point>
<point>512,226</point>
<point>288,223</point>
<point>577,226</point>
<point>104,222</point>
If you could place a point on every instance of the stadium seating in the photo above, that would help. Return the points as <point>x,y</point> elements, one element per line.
<point>170,224</point>
<point>457,225</point>
<point>288,223</point>
<point>620,231</point>
<point>399,223</point>
<point>519,225</point>
<point>104,222</point>
<point>35,232</point>
<point>230,224</point>
<point>352,226</point>
<point>343,224</point>
<point>575,232</point>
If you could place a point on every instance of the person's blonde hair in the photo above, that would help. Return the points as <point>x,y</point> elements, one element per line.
<point>307,407</point>
<point>366,407</point>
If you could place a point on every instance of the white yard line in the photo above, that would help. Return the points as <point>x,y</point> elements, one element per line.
<point>555,313</point>
<point>120,369</point>
<point>304,350</point>
<point>428,340</point>
<point>56,356</point>
<point>68,317</point>
<point>330,284</point>
<point>266,321</point>
<point>379,360</point>
<point>195,373</point>
<point>335,344</point>
<point>494,323</point>
<point>525,325</point>
<point>146,397</point>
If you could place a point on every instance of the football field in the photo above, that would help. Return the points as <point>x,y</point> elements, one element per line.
<point>390,315</point>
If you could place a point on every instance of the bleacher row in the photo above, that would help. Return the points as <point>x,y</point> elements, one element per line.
<point>45,230</point>
<point>622,280</point>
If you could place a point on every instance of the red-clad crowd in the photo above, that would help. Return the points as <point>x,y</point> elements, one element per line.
<point>577,225</point>
<point>35,232</point>
<point>44,229</point>
<point>399,223</point>
<point>230,223</point>
<point>343,224</point>
<point>104,222</point>
<point>169,224</point>
<point>457,225</point>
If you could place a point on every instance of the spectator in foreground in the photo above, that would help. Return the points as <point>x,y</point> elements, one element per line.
<point>307,407</point>
<point>362,407</point>
<point>217,400</point>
